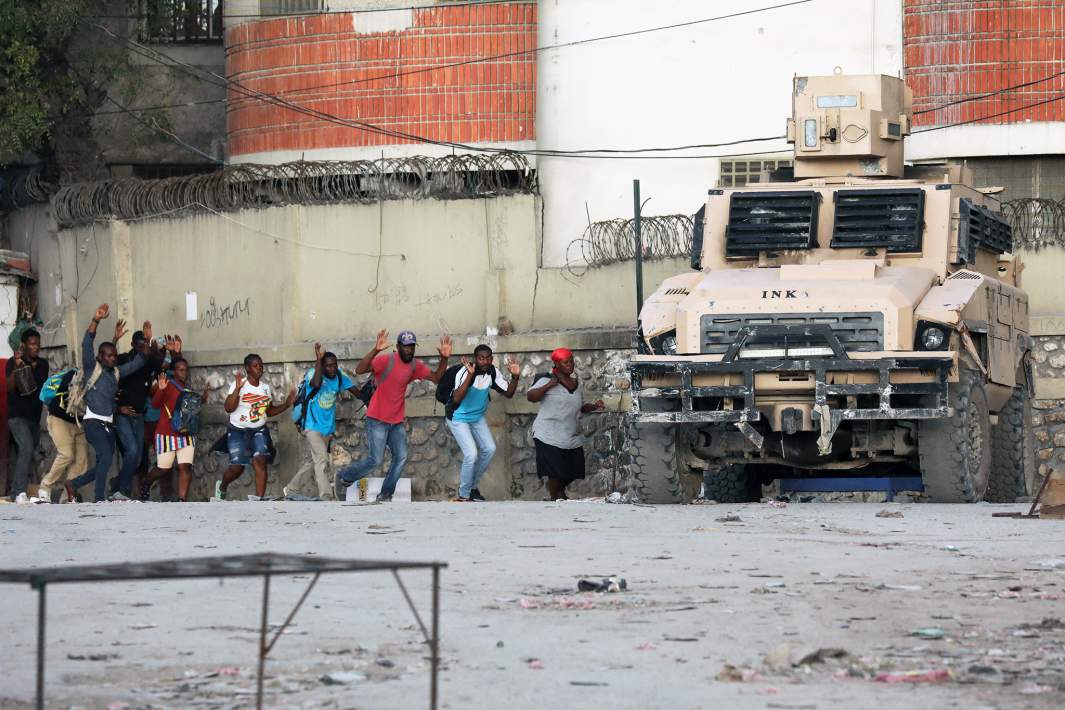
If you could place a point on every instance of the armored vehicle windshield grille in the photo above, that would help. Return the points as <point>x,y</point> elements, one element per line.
<point>857,332</point>
<point>760,221</point>
<point>879,219</point>
<point>980,227</point>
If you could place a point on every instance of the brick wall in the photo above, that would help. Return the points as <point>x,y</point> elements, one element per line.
<point>956,49</point>
<point>480,102</point>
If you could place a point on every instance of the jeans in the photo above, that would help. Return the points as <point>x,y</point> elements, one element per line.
<point>27,434</point>
<point>319,463</point>
<point>378,436</point>
<point>130,432</point>
<point>101,436</point>
<point>478,448</point>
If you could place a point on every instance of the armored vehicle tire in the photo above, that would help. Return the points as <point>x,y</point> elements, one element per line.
<point>955,452</point>
<point>654,466</point>
<point>1013,466</point>
<point>730,484</point>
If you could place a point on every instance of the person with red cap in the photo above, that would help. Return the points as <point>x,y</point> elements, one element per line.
<point>385,414</point>
<point>556,431</point>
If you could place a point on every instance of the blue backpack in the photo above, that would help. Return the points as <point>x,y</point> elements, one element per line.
<point>304,395</point>
<point>185,419</point>
<point>57,385</point>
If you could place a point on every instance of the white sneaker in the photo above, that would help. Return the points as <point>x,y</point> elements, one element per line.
<point>218,494</point>
<point>44,494</point>
<point>118,497</point>
<point>284,492</point>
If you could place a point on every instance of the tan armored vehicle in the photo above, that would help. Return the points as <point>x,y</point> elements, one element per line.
<point>857,318</point>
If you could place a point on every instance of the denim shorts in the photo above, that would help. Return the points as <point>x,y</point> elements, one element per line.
<point>245,444</point>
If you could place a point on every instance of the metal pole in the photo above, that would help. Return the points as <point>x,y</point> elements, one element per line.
<point>41,647</point>
<point>435,645</point>
<point>262,643</point>
<point>639,245</point>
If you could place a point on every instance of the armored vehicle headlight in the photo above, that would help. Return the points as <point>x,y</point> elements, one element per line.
<point>931,337</point>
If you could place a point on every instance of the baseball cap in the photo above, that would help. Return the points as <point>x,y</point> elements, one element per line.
<point>406,337</point>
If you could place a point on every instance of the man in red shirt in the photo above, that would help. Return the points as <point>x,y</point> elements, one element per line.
<point>384,417</point>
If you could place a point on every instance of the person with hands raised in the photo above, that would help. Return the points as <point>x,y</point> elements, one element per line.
<point>392,372</point>
<point>26,374</point>
<point>101,375</point>
<point>132,405</point>
<point>171,445</point>
<point>465,415</point>
<point>249,403</point>
<point>316,419</point>
<point>556,430</point>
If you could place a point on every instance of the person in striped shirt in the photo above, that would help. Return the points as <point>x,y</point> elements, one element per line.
<point>172,446</point>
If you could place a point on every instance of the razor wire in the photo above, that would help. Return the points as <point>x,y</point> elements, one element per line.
<point>1036,222</point>
<point>613,240</point>
<point>23,188</point>
<point>242,186</point>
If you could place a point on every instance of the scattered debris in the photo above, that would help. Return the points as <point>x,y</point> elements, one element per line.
<point>778,504</point>
<point>1050,623</point>
<point>885,513</point>
<point>939,675</point>
<point>627,497</point>
<point>730,518</point>
<point>588,684</point>
<point>93,656</point>
<point>646,646</point>
<point>341,678</point>
<point>536,664</point>
<point>529,603</point>
<point>900,587</point>
<point>821,655</point>
<point>731,674</point>
<point>1036,689</point>
<point>929,633</point>
<point>1055,563</point>
<point>779,657</point>
<point>606,585</point>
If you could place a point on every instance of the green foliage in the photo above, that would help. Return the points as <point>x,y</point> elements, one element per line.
<point>36,82</point>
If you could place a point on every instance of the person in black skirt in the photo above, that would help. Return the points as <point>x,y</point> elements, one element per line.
<point>556,433</point>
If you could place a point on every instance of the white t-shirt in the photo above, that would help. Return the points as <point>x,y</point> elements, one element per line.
<point>251,408</point>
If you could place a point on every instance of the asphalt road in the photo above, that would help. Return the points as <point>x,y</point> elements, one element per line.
<point>811,606</point>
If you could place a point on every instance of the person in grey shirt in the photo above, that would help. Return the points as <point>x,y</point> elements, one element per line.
<point>102,374</point>
<point>556,432</point>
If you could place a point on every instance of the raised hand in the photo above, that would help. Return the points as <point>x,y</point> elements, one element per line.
<point>146,328</point>
<point>291,397</point>
<point>318,351</point>
<point>206,391</point>
<point>512,366</point>
<point>468,365</point>
<point>445,346</point>
<point>161,381</point>
<point>120,330</point>
<point>102,312</point>
<point>382,340</point>
<point>240,380</point>
<point>177,344</point>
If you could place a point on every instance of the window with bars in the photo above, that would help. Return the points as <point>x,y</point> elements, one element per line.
<point>181,20</point>
<point>289,7</point>
<point>746,171</point>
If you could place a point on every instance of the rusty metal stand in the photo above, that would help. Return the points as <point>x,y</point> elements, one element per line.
<point>266,565</point>
<point>1035,502</point>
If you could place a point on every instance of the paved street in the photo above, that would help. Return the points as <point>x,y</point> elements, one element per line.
<point>717,614</point>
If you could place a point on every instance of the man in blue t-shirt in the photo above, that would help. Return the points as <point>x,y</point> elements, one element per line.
<point>323,386</point>
<point>468,404</point>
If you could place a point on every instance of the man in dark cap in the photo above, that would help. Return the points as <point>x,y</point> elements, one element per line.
<point>130,407</point>
<point>384,416</point>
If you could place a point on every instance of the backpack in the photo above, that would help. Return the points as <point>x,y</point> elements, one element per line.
<point>446,387</point>
<point>185,419</point>
<point>370,386</point>
<point>302,403</point>
<point>56,387</point>
<point>79,387</point>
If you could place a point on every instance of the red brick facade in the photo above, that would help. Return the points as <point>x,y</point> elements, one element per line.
<point>491,101</point>
<point>956,49</point>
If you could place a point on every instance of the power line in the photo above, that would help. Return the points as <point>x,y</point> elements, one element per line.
<point>364,11</point>
<point>532,51</point>
<point>990,94</point>
<point>152,125</point>
<point>275,100</point>
<point>978,119</point>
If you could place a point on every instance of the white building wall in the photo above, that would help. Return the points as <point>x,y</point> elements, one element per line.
<point>707,83</point>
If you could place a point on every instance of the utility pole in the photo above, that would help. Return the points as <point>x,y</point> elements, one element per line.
<point>636,206</point>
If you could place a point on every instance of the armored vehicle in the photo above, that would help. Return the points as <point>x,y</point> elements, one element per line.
<point>858,317</point>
